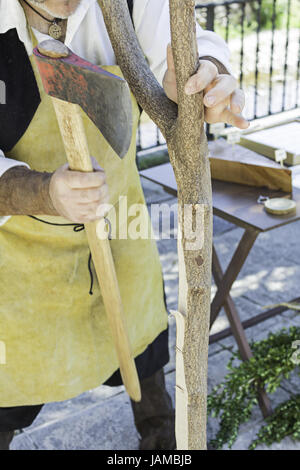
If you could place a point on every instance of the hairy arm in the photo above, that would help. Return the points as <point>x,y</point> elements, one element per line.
<point>24,191</point>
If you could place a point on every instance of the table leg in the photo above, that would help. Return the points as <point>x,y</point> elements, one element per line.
<point>253,320</point>
<point>238,331</point>
<point>231,311</point>
<point>234,267</point>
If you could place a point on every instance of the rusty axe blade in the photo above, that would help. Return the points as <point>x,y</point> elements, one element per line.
<point>103,96</point>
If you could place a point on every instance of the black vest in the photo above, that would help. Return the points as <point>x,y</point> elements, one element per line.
<point>22,94</point>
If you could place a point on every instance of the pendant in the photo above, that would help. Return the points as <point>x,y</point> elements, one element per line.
<point>55,31</point>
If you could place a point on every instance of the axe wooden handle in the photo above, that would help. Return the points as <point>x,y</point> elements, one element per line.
<point>76,146</point>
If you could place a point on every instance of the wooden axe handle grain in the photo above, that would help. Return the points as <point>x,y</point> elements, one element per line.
<point>76,146</point>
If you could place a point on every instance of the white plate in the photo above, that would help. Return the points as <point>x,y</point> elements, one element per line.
<point>280,206</point>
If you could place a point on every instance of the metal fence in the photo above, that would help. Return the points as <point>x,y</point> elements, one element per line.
<point>264,40</point>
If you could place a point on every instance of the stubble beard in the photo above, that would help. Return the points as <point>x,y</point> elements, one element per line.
<point>41,4</point>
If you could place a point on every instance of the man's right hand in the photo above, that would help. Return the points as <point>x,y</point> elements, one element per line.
<point>78,196</point>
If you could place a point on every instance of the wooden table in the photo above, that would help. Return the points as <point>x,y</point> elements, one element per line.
<point>237,204</point>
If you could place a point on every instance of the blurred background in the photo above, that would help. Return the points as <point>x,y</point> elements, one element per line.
<point>264,40</point>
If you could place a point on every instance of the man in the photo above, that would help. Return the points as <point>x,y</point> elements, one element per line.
<point>55,334</point>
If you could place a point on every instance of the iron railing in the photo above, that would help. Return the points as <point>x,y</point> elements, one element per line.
<point>264,39</point>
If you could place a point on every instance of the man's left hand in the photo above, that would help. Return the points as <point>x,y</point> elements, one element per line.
<point>223,100</point>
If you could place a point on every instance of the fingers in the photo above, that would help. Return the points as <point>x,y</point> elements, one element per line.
<point>237,101</point>
<point>229,102</point>
<point>88,196</point>
<point>80,180</point>
<point>207,72</point>
<point>220,92</point>
<point>77,196</point>
<point>235,120</point>
<point>223,87</point>
<point>86,213</point>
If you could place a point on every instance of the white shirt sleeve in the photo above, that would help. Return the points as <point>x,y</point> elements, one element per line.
<point>6,164</point>
<point>152,24</point>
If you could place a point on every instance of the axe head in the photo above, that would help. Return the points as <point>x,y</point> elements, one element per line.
<point>104,97</point>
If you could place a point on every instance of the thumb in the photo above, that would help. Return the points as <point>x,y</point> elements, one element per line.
<point>170,59</point>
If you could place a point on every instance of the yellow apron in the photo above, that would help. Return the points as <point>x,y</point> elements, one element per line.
<point>54,334</point>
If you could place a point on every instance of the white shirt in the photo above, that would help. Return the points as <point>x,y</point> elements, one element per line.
<point>87,37</point>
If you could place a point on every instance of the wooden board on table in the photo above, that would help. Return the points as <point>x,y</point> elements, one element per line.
<point>237,164</point>
<point>233,202</point>
<point>267,141</point>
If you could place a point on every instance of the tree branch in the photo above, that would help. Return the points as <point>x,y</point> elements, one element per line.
<point>189,156</point>
<point>192,160</point>
<point>184,132</point>
<point>130,57</point>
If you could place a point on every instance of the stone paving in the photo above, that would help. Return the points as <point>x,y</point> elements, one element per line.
<point>102,418</point>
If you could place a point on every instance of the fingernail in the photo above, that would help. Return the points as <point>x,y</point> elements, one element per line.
<point>210,100</point>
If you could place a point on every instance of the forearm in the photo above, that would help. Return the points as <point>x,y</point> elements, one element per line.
<point>25,192</point>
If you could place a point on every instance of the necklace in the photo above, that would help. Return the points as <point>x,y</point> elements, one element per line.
<point>55,30</point>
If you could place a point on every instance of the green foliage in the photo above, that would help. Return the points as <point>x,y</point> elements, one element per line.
<point>253,15</point>
<point>152,159</point>
<point>233,400</point>
<point>267,13</point>
<point>285,421</point>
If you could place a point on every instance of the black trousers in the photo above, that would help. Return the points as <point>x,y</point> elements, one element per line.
<point>150,361</point>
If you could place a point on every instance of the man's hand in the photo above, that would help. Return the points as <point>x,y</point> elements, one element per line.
<point>223,100</point>
<point>78,196</point>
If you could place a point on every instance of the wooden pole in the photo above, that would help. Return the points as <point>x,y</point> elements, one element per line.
<point>182,126</point>
<point>78,155</point>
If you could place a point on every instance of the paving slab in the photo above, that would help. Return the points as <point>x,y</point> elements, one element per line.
<point>271,273</point>
<point>257,332</point>
<point>56,411</point>
<point>22,442</point>
<point>217,368</point>
<point>107,425</point>
<point>292,384</point>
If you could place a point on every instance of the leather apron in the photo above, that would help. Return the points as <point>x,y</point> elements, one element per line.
<point>55,334</point>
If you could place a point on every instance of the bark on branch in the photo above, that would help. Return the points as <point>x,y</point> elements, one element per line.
<point>130,57</point>
<point>189,158</point>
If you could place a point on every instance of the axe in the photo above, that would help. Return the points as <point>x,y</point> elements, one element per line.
<point>72,82</point>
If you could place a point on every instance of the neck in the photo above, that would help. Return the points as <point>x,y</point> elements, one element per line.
<point>37,22</point>
<point>31,14</point>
